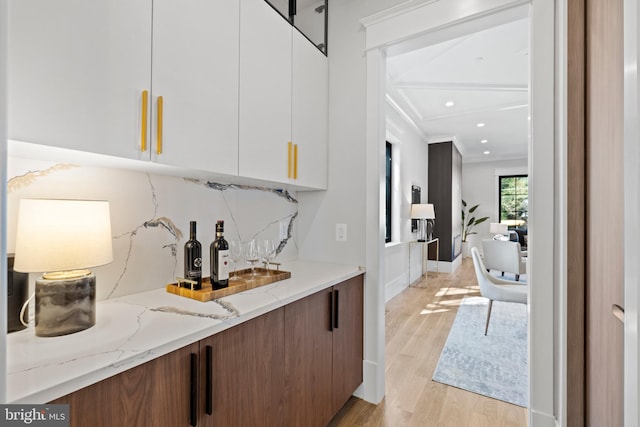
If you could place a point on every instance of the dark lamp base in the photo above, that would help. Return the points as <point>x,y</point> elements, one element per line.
<point>65,306</point>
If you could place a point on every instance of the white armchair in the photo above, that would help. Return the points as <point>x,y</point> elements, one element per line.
<point>504,256</point>
<point>497,289</point>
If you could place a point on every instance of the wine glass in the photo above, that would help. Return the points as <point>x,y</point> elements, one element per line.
<point>267,251</point>
<point>235,255</point>
<point>251,255</point>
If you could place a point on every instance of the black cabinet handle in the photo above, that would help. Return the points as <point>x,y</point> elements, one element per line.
<point>193,403</point>
<point>330,310</point>
<point>336,310</point>
<point>292,8</point>
<point>209,380</point>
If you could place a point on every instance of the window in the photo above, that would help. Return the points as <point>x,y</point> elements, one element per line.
<point>514,201</point>
<point>387,237</point>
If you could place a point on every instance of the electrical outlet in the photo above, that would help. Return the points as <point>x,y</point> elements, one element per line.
<point>341,232</point>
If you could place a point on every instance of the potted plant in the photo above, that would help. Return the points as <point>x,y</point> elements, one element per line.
<point>469,221</point>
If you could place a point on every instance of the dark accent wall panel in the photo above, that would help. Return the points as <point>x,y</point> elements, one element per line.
<point>445,192</point>
<point>456,201</point>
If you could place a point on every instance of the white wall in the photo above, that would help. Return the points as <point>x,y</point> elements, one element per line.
<point>410,167</point>
<point>479,186</point>
<point>3,187</point>
<point>345,201</point>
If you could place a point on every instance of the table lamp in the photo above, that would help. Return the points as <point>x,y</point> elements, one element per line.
<point>422,212</point>
<point>63,238</point>
<point>498,230</point>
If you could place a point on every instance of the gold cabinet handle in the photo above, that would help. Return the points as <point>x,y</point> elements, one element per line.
<point>289,159</point>
<point>159,136</point>
<point>143,128</point>
<point>295,161</point>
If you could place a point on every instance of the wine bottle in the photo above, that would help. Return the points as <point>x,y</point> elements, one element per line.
<point>219,252</point>
<point>193,258</point>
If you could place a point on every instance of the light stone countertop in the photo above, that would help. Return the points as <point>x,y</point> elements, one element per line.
<point>134,329</point>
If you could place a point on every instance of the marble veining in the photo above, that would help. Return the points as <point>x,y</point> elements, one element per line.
<point>28,178</point>
<point>133,329</point>
<point>279,192</point>
<point>284,241</point>
<point>182,312</point>
<point>222,187</point>
<point>165,223</point>
<point>148,213</point>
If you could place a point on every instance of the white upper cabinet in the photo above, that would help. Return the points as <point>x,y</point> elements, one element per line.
<point>81,76</point>
<point>224,87</point>
<point>265,92</point>
<point>195,72</point>
<point>76,73</point>
<point>283,101</point>
<point>310,107</point>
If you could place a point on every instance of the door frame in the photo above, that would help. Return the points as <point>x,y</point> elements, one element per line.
<point>3,193</point>
<point>415,19</point>
<point>572,30</point>
<point>631,214</point>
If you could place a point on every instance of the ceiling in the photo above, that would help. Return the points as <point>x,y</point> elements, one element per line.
<point>484,74</point>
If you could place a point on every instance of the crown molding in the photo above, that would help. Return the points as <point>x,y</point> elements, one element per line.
<point>394,11</point>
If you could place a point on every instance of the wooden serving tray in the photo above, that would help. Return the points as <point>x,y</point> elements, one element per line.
<point>244,282</point>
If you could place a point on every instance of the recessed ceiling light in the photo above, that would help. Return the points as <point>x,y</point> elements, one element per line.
<point>484,141</point>
<point>448,104</point>
<point>480,125</point>
<point>487,152</point>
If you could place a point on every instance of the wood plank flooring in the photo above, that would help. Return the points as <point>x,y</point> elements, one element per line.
<point>417,325</point>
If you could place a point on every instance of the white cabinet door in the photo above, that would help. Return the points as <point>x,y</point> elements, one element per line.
<point>76,72</point>
<point>310,104</point>
<point>265,92</point>
<point>195,71</point>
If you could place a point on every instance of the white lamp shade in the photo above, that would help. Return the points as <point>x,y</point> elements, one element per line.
<point>423,211</point>
<point>498,228</point>
<point>61,235</point>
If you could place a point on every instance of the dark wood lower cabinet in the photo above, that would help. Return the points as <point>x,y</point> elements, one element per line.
<point>308,361</point>
<point>348,347</point>
<point>247,383</point>
<point>323,353</point>
<point>157,393</point>
<point>294,366</point>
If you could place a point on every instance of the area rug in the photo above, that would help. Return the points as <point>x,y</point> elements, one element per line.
<point>494,365</point>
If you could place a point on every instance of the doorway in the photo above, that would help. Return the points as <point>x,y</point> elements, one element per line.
<point>471,90</point>
<point>417,22</point>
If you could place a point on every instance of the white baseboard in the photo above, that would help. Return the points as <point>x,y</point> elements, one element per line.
<point>444,266</point>
<point>539,419</point>
<point>396,286</point>
<point>372,387</point>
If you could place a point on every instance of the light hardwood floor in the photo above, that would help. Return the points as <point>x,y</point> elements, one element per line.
<point>417,325</point>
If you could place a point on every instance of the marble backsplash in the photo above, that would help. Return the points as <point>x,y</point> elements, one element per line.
<point>150,217</point>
